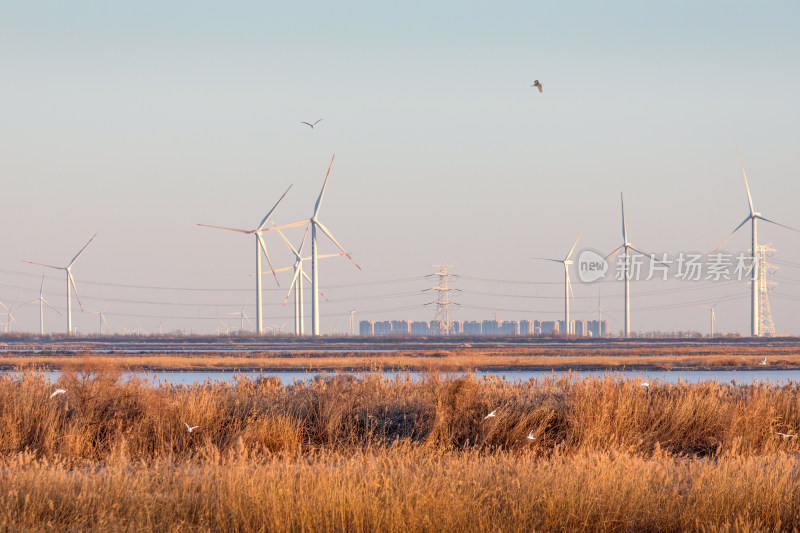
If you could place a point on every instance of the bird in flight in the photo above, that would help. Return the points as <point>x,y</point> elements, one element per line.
<point>315,123</point>
<point>190,429</point>
<point>763,362</point>
<point>530,436</point>
<point>785,435</point>
<point>537,85</point>
<point>490,415</point>
<point>57,392</point>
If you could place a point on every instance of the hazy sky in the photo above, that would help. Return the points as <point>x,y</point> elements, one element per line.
<point>138,120</point>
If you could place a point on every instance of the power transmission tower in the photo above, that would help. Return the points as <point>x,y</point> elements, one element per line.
<point>443,303</point>
<point>766,327</point>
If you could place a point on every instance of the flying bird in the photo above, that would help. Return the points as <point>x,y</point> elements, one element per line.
<point>530,436</point>
<point>320,120</point>
<point>763,362</point>
<point>190,429</point>
<point>57,392</point>
<point>490,415</point>
<point>784,435</point>
<point>537,85</point>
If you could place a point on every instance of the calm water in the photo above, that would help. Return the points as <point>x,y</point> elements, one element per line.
<point>781,377</point>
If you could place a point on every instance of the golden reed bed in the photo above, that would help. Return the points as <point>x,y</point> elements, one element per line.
<point>396,455</point>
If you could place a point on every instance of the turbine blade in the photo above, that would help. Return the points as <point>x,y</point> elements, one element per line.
<point>624,231</point>
<point>573,246</point>
<point>569,285</point>
<point>327,232</point>
<point>264,248</point>
<point>744,174</point>
<point>264,220</point>
<point>548,259</point>
<point>282,226</point>
<point>329,255</point>
<point>292,285</point>
<point>284,269</point>
<point>777,223</point>
<point>287,243</point>
<point>322,192</point>
<point>74,288</point>
<point>745,221</point>
<point>615,252</point>
<point>239,230</point>
<point>82,249</point>
<point>51,307</point>
<point>44,265</point>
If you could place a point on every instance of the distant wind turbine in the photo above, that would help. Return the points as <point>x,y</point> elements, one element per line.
<point>713,316</point>
<point>42,302</point>
<point>316,224</point>
<point>70,282</point>
<point>260,245</point>
<point>102,315</point>
<point>626,247</point>
<point>9,317</point>
<point>242,316</point>
<point>753,217</point>
<point>567,284</point>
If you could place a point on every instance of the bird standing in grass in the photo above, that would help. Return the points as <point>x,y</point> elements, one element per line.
<point>537,85</point>
<point>646,386</point>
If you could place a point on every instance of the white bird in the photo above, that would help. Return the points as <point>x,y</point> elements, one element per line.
<point>763,362</point>
<point>646,386</point>
<point>537,85</point>
<point>311,125</point>
<point>190,429</point>
<point>530,436</point>
<point>785,435</point>
<point>57,392</point>
<point>490,415</point>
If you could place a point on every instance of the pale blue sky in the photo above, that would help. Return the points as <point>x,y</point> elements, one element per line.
<point>138,120</point>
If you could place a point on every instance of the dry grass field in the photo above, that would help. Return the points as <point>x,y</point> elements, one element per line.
<point>372,454</point>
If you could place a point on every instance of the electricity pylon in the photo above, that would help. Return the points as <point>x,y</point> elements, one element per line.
<point>443,303</point>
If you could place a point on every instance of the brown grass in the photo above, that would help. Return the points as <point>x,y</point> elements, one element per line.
<point>375,454</point>
<point>518,358</point>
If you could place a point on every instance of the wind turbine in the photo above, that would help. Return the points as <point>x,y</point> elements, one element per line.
<point>352,321</point>
<point>753,216</point>
<point>242,316</point>
<point>567,284</point>
<point>713,316</point>
<point>42,303</point>
<point>260,245</point>
<point>600,312</point>
<point>297,279</point>
<point>9,317</point>
<point>625,247</point>
<point>70,282</point>
<point>102,318</point>
<point>316,224</point>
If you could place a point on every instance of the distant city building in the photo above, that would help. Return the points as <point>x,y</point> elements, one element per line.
<point>598,328</point>
<point>458,327</point>
<point>400,327</point>
<point>420,328</point>
<point>549,327</point>
<point>526,327</point>
<point>490,327</point>
<point>383,328</point>
<point>579,327</point>
<point>366,328</point>
<point>472,327</point>
<point>509,327</point>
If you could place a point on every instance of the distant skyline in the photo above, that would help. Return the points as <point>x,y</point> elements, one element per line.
<point>137,121</point>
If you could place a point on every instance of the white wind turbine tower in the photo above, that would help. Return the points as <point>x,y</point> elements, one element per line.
<point>260,245</point>
<point>70,282</point>
<point>42,302</point>
<point>316,224</point>
<point>567,284</point>
<point>9,317</point>
<point>713,316</point>
<point>625,247</point>
<point>297,279</point>
<point>753,216</point>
